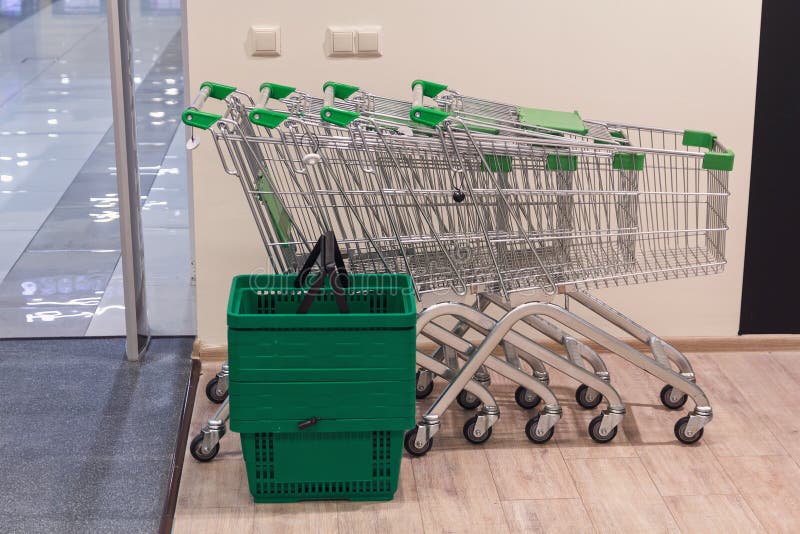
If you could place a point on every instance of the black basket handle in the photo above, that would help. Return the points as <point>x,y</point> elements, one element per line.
<point>326,252</point>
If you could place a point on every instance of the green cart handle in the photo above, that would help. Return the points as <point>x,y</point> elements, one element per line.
<point>329,112</point>
<point>431,117</point>
<point>272,90</point>
<point>194,116</point>
<point>270,118</point>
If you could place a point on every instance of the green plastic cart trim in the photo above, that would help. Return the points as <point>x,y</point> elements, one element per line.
<point>199,119</point>
<point>563,121</point>
<point>428,116</point>
<point>718,161</point>
<point>699,139</point>
<point>626,161</point>
<point>217,90</point>
<point>429,89</point>
<point>276,90</point>
<point>618,134</point>
<point>281,220</point>
<point>561,162</point>
<point>268,118</point>
<point>497,163</point>
<point>340,90</point>
<point>339,117</point>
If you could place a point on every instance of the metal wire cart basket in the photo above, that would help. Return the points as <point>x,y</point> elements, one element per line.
<point>485,205</point>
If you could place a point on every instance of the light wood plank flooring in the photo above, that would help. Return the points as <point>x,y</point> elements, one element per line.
<point>744,476</point>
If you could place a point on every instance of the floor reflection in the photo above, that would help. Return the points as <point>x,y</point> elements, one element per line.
<point>59,271</point>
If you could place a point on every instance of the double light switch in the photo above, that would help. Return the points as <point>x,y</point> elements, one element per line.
<point>342,41</point>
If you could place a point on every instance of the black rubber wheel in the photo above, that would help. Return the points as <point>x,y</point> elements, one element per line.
<point>424,392</point>
<point>582,395</point>
<point>212,393</point>
<point>594,431</point>
<point>526,399</point>
<point>530,431</point>
<point>680,432</point>
<point>195,448</point>
<point>666,391</point>
<point>469,431</point>
<point>467,400</point>
<point>411,448</point>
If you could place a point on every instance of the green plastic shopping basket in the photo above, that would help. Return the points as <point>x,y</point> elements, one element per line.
<point>322,398</point>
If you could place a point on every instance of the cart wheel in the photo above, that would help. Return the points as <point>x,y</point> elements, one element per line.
<point>467,400</point>
<point>594,431</point>
<point>666,392</point>
<point>411,447</point>
<point>680,431</point>
<point>526,399</point>
<point>424,392</point>
<point>196,448</point>
<point>212,393</point>
<point>581,395</point>
<point>530,431</point>
<point>469,431</point>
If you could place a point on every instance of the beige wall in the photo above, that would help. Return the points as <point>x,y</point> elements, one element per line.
<point>681,64</point>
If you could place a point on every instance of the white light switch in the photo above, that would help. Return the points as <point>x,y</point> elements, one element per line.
<point>264,41</point>
<point>340,41</point>
<point>368,41</point>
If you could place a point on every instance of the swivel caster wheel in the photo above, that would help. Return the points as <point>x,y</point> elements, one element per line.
<point>668,401</point>
<point>526,399</point>
<point>213,393</point>
<point>594,431</point>
<point>680,432</point>
<point>411,447</point>
<point>423,391</point>
<point>467,400</point>
<point>587,398</point>
<point>197,451</point>
<point>471,435</point>
<point>530,431</point>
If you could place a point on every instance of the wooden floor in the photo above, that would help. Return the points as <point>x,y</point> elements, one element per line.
<point>744,475</point>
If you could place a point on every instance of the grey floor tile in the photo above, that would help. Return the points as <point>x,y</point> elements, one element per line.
<point>165,208</point>
<point>49,321</point>
<point>79,228</point>
<point>171,310</point>
<point>57,278</point>
<point>37,175</point>
<point>168,255</point>
<point>26,210</point>
<point>98,192</point>
<point>12,243</point>
<point>94,227</point>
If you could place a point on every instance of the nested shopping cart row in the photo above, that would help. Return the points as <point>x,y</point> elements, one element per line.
<point>494,201</point>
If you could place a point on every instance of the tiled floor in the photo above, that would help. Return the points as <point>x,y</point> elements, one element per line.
<point>743,476</point>
<point>59,271</point>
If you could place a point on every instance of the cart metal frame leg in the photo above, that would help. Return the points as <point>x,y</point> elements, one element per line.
<point>497,332</point>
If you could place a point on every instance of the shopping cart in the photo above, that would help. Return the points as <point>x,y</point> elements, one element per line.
<point>548,215</point>
<point>671,182</point>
